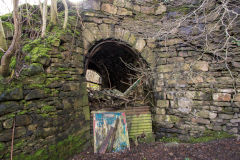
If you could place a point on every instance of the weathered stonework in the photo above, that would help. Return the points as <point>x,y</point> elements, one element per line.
<point>50,101</point>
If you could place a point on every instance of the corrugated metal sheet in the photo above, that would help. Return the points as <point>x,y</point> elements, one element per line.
<point>139,120</point>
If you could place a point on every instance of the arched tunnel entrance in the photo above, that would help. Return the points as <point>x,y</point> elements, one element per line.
<point>118,68</point>
<point>116,82</point>
<point>110,59</point>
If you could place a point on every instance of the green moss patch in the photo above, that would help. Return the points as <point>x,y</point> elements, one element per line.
<point>47,109</point>
<point>206,137</point>
<point>36,50</point>
<point>73,144</point>
<point>210,136</point>
<point>2,146</point>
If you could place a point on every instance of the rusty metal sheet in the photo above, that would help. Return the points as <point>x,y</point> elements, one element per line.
<point>110,132</point>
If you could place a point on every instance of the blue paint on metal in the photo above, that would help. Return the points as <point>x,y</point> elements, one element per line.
<point>103,123</point>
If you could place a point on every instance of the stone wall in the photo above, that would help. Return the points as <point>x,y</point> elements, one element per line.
<point>193,92</point>
<point>48,102</point>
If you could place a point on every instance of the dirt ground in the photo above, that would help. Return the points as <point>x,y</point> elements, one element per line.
<point>224,149</point>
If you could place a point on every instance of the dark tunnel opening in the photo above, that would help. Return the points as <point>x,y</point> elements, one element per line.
<point>110,59</point>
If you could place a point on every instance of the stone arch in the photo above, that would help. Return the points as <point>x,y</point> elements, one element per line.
<point>109,58</point>
<point>94,33</point>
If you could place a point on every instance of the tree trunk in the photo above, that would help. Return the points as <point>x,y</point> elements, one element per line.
<point>66,14</point>
<point>6,58</point>
<point>3,42</point>
<point>54,11</point>
<point>41,7</point>
<point>44,18</point>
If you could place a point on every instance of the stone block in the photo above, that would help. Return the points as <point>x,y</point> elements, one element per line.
<point>201,121</point>
<point>71,86</point>
<point>137,8</point>
<point>175,59</point>
<point>45,132</point>
<point>225,90</point>
<point>184,104</point>
<point>6,135</point>
<point>15,93</point>
<point>68,103</point>
<point>217,128</point>
<point>201,66</point>
<point>109,8</point>
<point>161,111</point>
<point>140,44</point>
<point>88,35</point>
<point>105,30</point>
<point>8,107</point>
<point>8,123</point>
<point>212,115</point>
<point>161,9</point>
<point>132,39</point>
<point>119,32</point>
<point>225,116</point>
<point>166,68</point>
<point>171,42</point>
<point>203,114</point>
<point>237,97</point>
<point>33,69</point>
<point>35,94</point>
<point>163,103</point>
<point>236,104</point>
<point>172,119</point>
<point>222,104</point>
<point>126,35</point>
<point>147,10</point>
<point>23,120</point>
<point>119,3</point>
<point>221,97</point>
<point>149,56</point>
<point>233,130</point>
<point>124,12</point>
<point>197,79</point>
<point>235,120</point>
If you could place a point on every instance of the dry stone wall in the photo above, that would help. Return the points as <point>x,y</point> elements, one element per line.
<point>47,105</point>
<point>193,92</point>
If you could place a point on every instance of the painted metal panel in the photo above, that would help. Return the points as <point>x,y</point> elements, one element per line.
<point>139,120</point>
<point>110,132</point>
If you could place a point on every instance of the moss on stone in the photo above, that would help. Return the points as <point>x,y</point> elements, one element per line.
<point>22,112</point>
<point>172,119</point>
<point>182,9</point>
<point>47,109</point>
<point>2,146</point>
<point>34,85</point>
<point>11,115</point>
<point>19,144</point>
<point>169,139</point>
<point>206,137</point>
<point>86,112</point>
<point>73,144</point>
<point>36,50</point>
<point>62,69</point>
<point>51,80</point>
<point>209,136</point>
